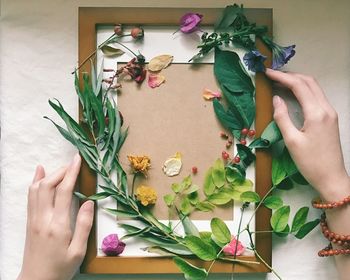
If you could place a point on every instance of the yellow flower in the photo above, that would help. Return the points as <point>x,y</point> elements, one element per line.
<point>140,163</point>
<point>146,195</point>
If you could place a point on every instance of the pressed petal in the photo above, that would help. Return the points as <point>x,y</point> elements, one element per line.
<point>112,245</point>
<point>160,62</point>
<point>230,249</point>
<point>210,95</point>
<point>254,60</point>
<point>172,166</point>
<point>189,22</point>
<point>155,80</point>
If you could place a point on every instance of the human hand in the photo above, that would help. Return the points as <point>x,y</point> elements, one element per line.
<point>315,148</point>
<point>52,251</point>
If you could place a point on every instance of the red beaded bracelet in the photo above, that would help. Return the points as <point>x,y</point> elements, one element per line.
<point>329,251</point>
<point>317,203</point>
<point>340,239</point>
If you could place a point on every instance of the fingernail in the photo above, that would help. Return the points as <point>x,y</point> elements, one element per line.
<point>89,206</point>
<point>276,100</point>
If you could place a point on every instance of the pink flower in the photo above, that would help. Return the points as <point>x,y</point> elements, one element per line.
<point>112,245</point>
<point>189,22</point>
<point>230,248</point>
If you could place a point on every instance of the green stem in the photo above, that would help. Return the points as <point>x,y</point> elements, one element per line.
<point>133,184</point>
<point>126,48</point>
<point>217,256</point>
<point>260,203</point>
<point>239,229</point>
<point>265,263</point>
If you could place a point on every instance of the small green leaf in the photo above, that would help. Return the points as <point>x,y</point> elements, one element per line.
<point>188,225</point>
<point>186,182</point>
<point>300,218</point>
<point>185,206</point>
<point>250,196</point>
<point>205,206</point>
<point>99,196</point>
<point>219,177</point>
<point>278,172</point>
<point>201,249</point>
<point>284,232</point>
<point>273,202</point>
<point>279,218</point>
<point>111,52</point>
<point>193,198</point>
<point>169,199</point>
<point>271,133</point>
<point>176,187</point>
<point>121,213</point>
<point>220,198</point>
<point>190,271</point>
<point>233,175</point>
<point>209,186</point>
<point>306,228</point>
<point>286,184</point>
<point>299,179</point>
<point>191,189</point>
<point>220,230</point>
<point>80,195</point>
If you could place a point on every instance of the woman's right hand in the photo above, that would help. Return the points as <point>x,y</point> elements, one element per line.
<point>315,148</point>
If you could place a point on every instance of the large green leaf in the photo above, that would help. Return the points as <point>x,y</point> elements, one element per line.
<point>306,228</point>
<point>201,249</point>
<point>273,202</point>
<point>209,185</point>
<point>189,227</point>
<point>272,133</point>
<point>227,118</point>
<point>228,16</point>
<point>220,230</point>
<point>299,218</point>
<point>250,196</point>
<point>218,174</point>
<point>279,218</point>
<point>220,198</point>
<point>190,271</point>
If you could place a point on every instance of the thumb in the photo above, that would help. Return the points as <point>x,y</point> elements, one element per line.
<point>82,230</point>
<point>282,119</point>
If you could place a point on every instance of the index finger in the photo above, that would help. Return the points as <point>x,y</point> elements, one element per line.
<point>298,86</point>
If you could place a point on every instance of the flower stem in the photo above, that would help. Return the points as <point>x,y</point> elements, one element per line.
<point>239,228</point>
<point>260,203</point>
<point>265,263</point>
<point>133,185</point>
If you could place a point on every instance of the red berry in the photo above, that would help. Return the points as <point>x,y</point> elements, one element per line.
<point>137,32</point>
<point>225,155</point>
<point>194,170</point>
<point>244,131</point>
<point>228,145</point>
<point>237,159</point>
<point>251,133</point>
<point>230,141</point>
<point>243,142</point>
<point>223,135</point>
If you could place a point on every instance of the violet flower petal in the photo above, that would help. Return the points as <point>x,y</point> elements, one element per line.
<point>189,22</point>
<point>254,60</point>
<point>281,55</point>
<point>112,245</point>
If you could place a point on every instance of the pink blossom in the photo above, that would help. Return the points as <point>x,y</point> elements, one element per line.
<point>112,245</point>
<point>230,248</point>
<point>189,22</point>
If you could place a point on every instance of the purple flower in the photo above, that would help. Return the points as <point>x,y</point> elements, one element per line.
<point>112,245</point>
<point>255,61</point>
<point>189,22</point>
<point>280,55</point>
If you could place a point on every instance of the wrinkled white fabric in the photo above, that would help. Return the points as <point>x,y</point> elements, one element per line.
<point>38,50</point>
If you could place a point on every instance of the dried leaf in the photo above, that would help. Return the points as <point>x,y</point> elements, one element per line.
<point>110,51</point>
<point>155,80</point>
<point>210,95</point>
<point>160,62</point>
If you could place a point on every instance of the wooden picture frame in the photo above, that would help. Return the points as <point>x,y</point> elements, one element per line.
<point>89,19</point>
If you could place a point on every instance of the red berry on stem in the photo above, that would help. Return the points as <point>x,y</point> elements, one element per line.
<point>244,131</point>
<point>194,170</point>
<point>251,133</point>
<point>237,159</point>
<point>243,142</point>
<point>223,135</point>
<point>225,155</point>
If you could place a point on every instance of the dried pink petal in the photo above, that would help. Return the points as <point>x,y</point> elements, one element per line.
<point>155,80</point>
<point>112,245</point>
<point>210,95</point>
<point>230,249</point>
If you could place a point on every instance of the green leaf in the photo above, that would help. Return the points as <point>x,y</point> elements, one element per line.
<point>169,199</point>
<point>285,185</point>
<point>278,171</point>
<point>193,198</point>
<point>299,179</point>
<point>149,216</point>
<point>136,233</point>
<point>111,52</point>
<point>205,206</point>
<point>246,155</point>
<point>284,232</point>
<point>250,196</point>
<point>201,249</point>
<point>306,228</point>
<point>80,195</point>
<point>279,218</point>
<point>300,218</point>
<point>228,119</point>
<point>185,206</point>
<point>220,230</point>
<point>272,133</point>
<point>177,249</point>
<point>190,271</point>
<point>273,202</point>
<point>186,182</point>
<point>218,174</point>
<point>259,143</point>
<point>220,198</point>
<point>233,175</point>
<point>228,17</point>
<point>188,225</point>
<point>99,196</point>
<point>121,213</point>
<point>191,189</point>
<point>209,186</point>
<point>176,187</point>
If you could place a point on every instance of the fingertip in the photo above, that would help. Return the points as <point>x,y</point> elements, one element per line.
<point>88,206</point>
<point>39,173</point>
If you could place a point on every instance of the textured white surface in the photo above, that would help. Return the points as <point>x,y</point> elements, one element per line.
<point>38,50</point>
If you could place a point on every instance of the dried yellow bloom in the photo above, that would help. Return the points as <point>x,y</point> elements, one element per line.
<point>140,163</point>
<point>146,195</point>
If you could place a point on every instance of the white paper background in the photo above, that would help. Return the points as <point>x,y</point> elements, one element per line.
<point>38,49</point>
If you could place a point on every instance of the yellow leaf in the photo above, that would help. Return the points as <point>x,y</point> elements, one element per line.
<point>160,62</point>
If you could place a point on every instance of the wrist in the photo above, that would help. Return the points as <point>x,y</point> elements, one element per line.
<point>336,190</point>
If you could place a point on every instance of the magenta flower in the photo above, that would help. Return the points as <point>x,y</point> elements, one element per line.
<point>189,22</point>
<point>112,245</point>
<point>254,61</point>
<point>280,55</point>
<point>230,249</point>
